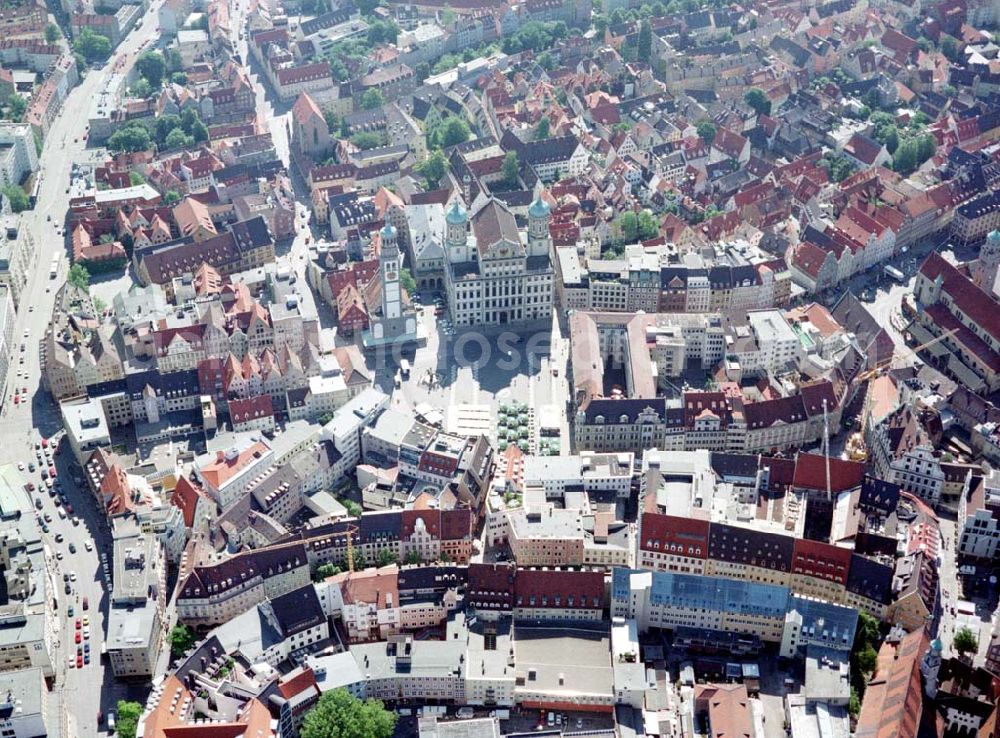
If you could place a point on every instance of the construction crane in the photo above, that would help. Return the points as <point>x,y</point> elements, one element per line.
<point>858,447</point>
<point>868,374</point>
<point>348,533</point>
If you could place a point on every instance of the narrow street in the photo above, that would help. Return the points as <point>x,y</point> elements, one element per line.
<point>78,694</point>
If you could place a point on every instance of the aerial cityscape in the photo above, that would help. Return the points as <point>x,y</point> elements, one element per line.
<point>500,368</point>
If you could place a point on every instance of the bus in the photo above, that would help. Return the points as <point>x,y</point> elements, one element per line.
<point>894,273</point>
<point>54,267</point>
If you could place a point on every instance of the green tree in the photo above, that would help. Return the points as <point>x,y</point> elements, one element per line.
<point>965,641</point>
<point>177,139</point>
<point>93,46</point>
<point>199,132</point>
<point>339,714</point>
<point>381,31</point>
<point>544,128</point>
<point>130,138</point>
<point>868,630</point>
<point>171,196</point>
<point>647,225</point>
<point>78,276</point>
<point>179,78</point>
<point>433,168</point>
<point>510,169</point>
<point>891,140</point>
<point>854,705</point>
<point>456,131</point>
<point>152,67</point>
<point>644,48</point>
<point>447,16</point>
<point>706,130</point>
<point>413,557</point>
<point>372,99</point>
<point>867,659</point>
<point>17,105</point>
<point>406,279</point>
<point>353,508</point>
<point>164,125</point>
<point>127,718</point>
<point>142,89</point>
<point>135,179</point>
<point>367,140</point>
<point>181,639</point>
<point>756,99</point>
<point>174,61</point>
<point>422,70</point>
<point>949,47</point>
<point>325,570</point>
<point>52,33</point>
<point>628,224</point>
<point>385,557</point>
<point>15,195</point>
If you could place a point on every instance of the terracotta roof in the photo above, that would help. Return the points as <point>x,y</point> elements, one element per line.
<point>185,497</point>
<point>728,708</point>
<point>893,700</point>
<point>223,469</point>
<point>305,109</point>
<point>966,297</point>
<point>378,587</point>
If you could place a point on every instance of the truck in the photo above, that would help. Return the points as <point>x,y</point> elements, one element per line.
<point>404,368</point>
<point>894,273</point>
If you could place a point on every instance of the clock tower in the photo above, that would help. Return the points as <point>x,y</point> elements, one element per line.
<point>392,301</point>
<point>397,324</point>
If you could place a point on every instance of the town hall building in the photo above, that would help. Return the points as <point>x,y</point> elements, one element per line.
<point>495,275</point>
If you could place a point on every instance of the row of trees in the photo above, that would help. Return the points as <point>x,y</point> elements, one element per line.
<point>535,36</point>
<point>170,131</point>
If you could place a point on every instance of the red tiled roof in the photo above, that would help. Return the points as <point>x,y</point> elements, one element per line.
<point>666,530</point>
<point>965,295</point>
<point>810,473</point>
<point>552,588</point>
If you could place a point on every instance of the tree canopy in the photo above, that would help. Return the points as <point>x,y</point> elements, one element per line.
<point>965,641</point>
<point>433,168</point>
<point>510,169</point>
<point>93,46</point>
<point>15,195</point>
<point>372,98</point>
<point>637,227</point>
<point>644,50</point>
<point>367,140</point>
<point>181,638</point>
<point>544,128</point>
<point>339,714</point>
<point>447,131</point>
<point>535,36</point>
<point>52,33</point>
<point>130,138</point>
<point>325,570</point>
<point>78,276</point>
<point>152,67</point>
<point>706,129</point>
<point>127,718</point>
<point>756,99</point>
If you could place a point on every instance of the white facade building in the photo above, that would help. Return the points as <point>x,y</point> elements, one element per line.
<point>492,276</point>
